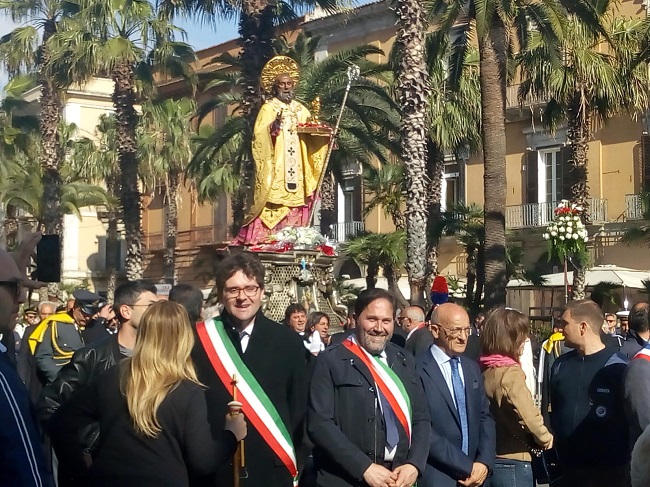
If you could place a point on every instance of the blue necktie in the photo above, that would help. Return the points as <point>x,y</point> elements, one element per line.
<point>461,405</point>
<point>392,433</point>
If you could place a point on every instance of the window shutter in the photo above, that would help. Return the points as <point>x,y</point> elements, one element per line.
<point>645,163</point>
<point>568,177</point>
<point>531,177</point>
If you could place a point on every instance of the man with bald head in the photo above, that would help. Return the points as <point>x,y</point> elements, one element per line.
<point>418,338</point>
<point>463,437</point>
<point>21,455</point>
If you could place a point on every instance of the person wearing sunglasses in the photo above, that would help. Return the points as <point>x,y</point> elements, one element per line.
<point>21,454</point>
<point>57,338</point>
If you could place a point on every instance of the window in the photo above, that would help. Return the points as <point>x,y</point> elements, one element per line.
<point>550,164</point>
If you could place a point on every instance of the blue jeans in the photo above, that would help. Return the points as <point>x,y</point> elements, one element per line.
<point>512,473</point>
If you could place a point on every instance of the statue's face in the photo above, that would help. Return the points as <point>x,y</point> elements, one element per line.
<point>284,88</point>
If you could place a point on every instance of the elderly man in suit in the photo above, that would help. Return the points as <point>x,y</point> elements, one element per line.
<point>418,338</point>
<point>463,438</point>
<point>367,416</point>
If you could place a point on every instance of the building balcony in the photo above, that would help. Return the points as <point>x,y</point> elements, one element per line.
<point>634,207</point>
<point>514,108</point>
<point>541,214</point>
<point>339,232</point>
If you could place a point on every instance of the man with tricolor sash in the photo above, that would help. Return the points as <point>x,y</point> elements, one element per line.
<point>367,414</point>
<point>242,355</point>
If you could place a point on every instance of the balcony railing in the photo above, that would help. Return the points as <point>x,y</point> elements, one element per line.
<point>634,207</point>
<point>540,214</point>
<point>339,232</point>
<point>512,99</point>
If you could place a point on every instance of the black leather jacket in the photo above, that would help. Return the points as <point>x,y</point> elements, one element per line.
<point>86,364</point>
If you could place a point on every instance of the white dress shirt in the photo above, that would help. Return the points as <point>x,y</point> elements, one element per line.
<point>244,339</point>
<point>444,362</point>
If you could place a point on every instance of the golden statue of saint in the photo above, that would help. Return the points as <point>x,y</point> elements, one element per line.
<point>289,157</point>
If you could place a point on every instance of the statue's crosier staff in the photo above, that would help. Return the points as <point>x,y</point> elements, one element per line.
<point>353,75</point>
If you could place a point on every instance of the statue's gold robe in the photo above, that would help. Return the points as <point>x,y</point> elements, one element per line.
<point>287,172</point>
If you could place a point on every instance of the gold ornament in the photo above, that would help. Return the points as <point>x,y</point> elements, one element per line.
<point>277,66</point>
<point>315,110</point>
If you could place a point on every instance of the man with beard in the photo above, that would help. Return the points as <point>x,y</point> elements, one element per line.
<point>367,412</point>
<point>288,158</point>
<point>266,363</point>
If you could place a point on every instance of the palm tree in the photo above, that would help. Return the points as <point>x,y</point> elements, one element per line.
<point>385,184</point>
<point>586,85</point>
<point>27,50</point>
<point>368,126</point>
<point>100,164</point>
<point>378,251</point>
<point>24,188</point>
<point>500,27</point>
<point>131,41</point>
<point>466,223</point>
<point>455,118</point>
<point>167,150</point>
<point>413,95</point>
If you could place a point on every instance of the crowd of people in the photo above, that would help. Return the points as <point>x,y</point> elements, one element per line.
<point>146,391</point>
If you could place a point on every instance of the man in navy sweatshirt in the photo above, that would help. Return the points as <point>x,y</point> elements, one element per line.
<point>587,417</point>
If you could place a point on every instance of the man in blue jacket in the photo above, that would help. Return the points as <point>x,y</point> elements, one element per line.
<point>463,437</point>
<point>22,462</point>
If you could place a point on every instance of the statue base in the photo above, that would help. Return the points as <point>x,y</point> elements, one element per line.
<point>302,276</point>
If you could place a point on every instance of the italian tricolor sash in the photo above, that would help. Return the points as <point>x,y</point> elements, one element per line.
<point>258,408</point>
<point>388,383</point>
<point>644,353</point>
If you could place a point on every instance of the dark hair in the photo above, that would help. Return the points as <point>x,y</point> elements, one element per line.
<point>503,332</point>
<point>191,298</point>
<point>129,292</point>
<point>639,318</point>
<point>246,262</point>
<point>314,318</point>
<point>291,309</point>
<point>588,311</point>
<point>369,295</point>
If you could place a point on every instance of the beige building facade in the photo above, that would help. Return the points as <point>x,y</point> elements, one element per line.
<point>535,163</point>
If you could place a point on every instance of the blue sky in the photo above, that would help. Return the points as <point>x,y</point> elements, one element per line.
<point>199,36</point>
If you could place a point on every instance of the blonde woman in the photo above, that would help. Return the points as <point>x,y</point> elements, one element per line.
<point>519,424</point>
<point>152,413</point>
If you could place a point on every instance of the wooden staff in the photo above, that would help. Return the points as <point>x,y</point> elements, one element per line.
<point>353,74</point>
<point>238,461</point>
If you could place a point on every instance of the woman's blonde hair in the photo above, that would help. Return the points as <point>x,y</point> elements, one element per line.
<point>504,331</point>
<point>160,361</point>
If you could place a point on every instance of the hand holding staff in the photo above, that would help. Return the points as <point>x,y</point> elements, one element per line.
<point>239,461</point>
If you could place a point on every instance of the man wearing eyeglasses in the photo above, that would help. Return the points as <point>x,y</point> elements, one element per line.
<point>21,455</point>
<point>463,437</point>
<point>55,341</point>
<point>267,361</point>
<point>132,299</point>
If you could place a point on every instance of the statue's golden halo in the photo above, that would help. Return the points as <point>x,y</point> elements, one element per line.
<point>276,66</point>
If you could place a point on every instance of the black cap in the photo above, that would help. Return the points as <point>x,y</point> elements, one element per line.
<point>90,303</point>
<point>31,309</point>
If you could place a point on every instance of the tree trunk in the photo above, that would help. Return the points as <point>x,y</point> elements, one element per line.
<point>328,216</point>
<point>413,90</point>
<point>471,277</point>
<point>256,30</point>
<point>579,122</point>
<point>435,172</point>
<point>492,77</point>
<point>480,283</point>
<point>112,241</point>
<point>171,227</point>
<point>392,275</point>
<point>371,276</point>
<point>126,120</point>
<point>51,149</point>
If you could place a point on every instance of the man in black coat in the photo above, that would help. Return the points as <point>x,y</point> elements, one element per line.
<point>360,434</point>
<point>463,437</point>
<point>275,357</point>
<point>419,337</point>
<point>639,330</point>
